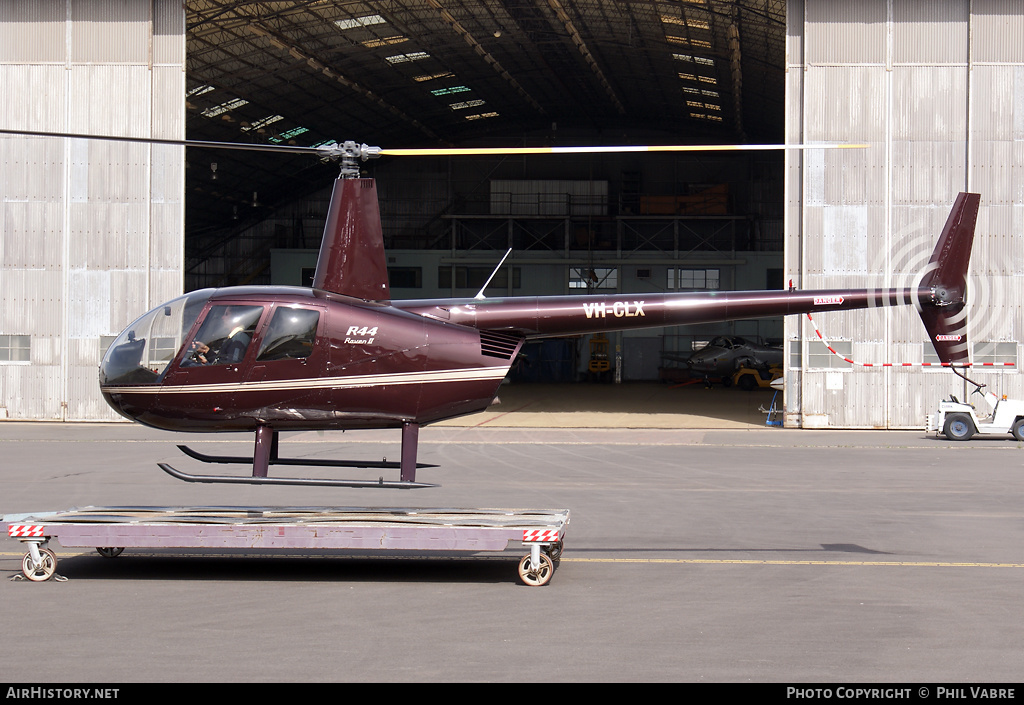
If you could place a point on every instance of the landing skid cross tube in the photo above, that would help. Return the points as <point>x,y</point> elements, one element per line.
<point>112,529</point>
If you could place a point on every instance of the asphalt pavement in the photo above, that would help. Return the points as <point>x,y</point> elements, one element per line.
<point>719,555</point>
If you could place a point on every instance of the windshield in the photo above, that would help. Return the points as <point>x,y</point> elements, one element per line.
<point>141,353</point>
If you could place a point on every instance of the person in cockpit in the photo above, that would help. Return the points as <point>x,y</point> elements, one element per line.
<point>229,331</point>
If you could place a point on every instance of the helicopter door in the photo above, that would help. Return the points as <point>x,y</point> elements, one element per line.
<point>212,363</point>
<point>290,361</point>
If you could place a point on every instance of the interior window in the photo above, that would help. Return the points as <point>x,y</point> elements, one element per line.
<point>224,336</point>
<point>290,334</point>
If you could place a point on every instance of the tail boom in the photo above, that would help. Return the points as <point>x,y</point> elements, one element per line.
<point>939,298</point>
<point>548,316</point>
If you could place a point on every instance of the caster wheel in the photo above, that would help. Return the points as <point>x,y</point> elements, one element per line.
<point>541,575</point>
<point>46,568</point>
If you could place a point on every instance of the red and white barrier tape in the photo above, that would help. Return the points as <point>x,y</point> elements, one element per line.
<point>903,364</point>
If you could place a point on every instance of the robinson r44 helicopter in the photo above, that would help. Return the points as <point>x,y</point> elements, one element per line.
<point>344,355</point>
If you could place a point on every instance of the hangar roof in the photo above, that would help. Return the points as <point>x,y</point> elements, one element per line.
<point>417,73</point>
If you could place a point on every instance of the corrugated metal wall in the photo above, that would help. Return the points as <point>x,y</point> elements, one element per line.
<point>937,91</point>
<point>90,232</point>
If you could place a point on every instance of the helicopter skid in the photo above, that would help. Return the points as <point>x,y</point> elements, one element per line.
<point>265,454</point>
<point>306,481</point>
<point>315,462</point>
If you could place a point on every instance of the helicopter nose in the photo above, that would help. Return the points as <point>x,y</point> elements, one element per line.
<point>117,403</point>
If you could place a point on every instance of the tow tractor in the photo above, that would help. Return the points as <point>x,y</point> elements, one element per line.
<point>750,377</point>
<point>959,421</point>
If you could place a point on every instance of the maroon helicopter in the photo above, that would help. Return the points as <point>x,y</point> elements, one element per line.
<point>343,355</point>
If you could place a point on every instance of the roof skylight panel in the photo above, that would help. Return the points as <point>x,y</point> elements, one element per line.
<point>449,90</point>
<point>686,22</point>
<point>262,122</point>
<point>224,107</point>
<point>294,132</point>
<point>404,58</point>
<point>432,76</point>
<point>694,59</point>
<point>364,21</point>
<point>384,41</point>
<point>699,43</point>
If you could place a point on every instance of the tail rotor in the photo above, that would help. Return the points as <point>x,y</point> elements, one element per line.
<point>946,278</point>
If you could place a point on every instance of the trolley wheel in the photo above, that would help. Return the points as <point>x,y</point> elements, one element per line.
<point>1018,429</point>
<point>109,552</point>
<point>958,427</point>
<point>47,566</point>
<point>540,576</point>
<point>555,551</point>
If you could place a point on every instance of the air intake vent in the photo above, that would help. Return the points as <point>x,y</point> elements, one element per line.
<point>501,345</point>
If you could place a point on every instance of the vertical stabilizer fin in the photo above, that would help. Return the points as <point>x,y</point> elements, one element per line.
<point>352,260</point>
<point>946,277</point>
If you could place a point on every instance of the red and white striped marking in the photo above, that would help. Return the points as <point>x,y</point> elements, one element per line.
<point>540,535</point>
<point>904,364</point>
<point>22,531</point>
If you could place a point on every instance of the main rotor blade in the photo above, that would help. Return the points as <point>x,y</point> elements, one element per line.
<point>364,152</point>
<point>294,149</point>
<point>459,151</point>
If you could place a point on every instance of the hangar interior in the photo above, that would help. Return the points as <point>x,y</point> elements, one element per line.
<point>95,233</point>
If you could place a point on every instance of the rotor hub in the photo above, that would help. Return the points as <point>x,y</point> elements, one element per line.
<point>945,296</point>
<point>350,154</point>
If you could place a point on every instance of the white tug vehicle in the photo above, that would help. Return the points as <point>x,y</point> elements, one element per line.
<point>959,421</point>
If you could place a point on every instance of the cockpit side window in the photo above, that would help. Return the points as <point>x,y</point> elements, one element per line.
<point>290,335</point>
<point>224,336</point>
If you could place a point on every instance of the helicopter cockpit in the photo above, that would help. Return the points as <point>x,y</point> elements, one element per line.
<point>141,354</point>
<point>144,351</point>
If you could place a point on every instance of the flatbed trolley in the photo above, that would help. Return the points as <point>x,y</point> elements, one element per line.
<point>113,529</point>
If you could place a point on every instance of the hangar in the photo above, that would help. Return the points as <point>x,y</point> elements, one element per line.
<point>95,233</point>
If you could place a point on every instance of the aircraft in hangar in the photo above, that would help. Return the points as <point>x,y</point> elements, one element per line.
<point>723,355</point>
